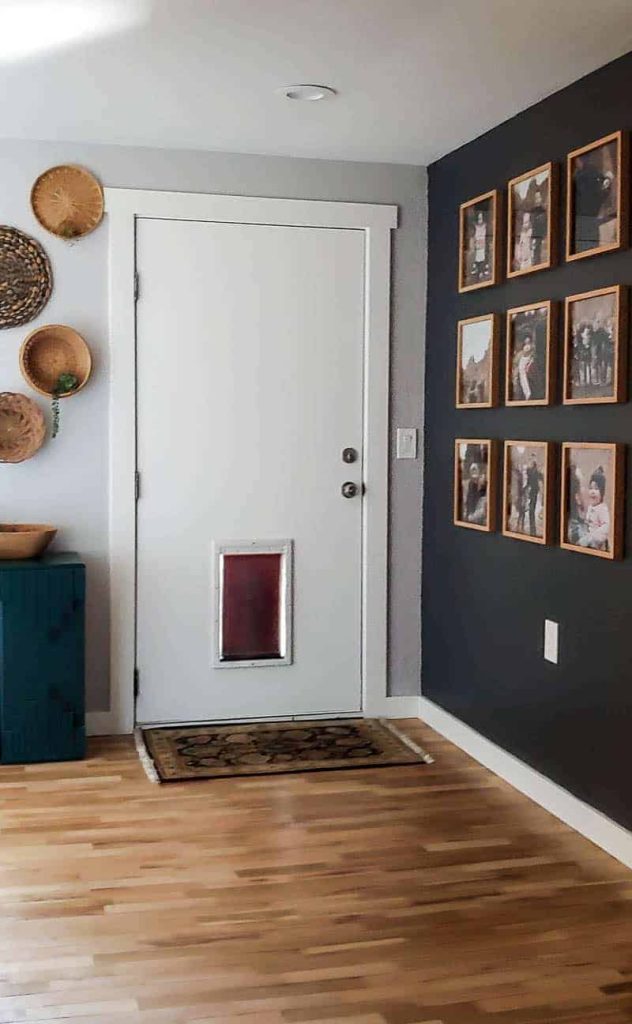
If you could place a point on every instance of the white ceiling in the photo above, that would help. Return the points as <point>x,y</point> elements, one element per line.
<point>416,78</point>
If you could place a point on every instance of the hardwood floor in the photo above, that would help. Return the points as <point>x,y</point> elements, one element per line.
<point>413,895</point>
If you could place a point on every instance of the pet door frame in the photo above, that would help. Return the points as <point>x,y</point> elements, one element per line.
<point>285,548</point>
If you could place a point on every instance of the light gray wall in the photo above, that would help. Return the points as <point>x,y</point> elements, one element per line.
<point>66,483</point>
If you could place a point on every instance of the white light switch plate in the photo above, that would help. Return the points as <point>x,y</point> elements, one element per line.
<point>406,442</point>
<point>551,641</point>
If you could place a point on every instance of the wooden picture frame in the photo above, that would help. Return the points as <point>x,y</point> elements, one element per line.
<point>590,366</point>
<point>526,510</point>
<point>474,345</point>
<point>523,252</point>
<point>490,256</point>
<point>533,382</point>
<point>613,494</point>
<point>613,233</point>
<point>488,520</point>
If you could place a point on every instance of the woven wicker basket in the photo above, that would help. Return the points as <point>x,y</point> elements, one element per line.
<point>22,427</point>
<point>26,279</point>
<point>68,201</point>
<point>53,350</point>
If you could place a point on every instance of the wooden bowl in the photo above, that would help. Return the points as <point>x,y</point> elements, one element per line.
<point>22,427</point>
<point>50,351</point>
<point>24,540</point>
<point>68,201</point>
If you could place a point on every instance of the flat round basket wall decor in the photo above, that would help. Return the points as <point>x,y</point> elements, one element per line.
<point>68,201</point>
<point>26,279</point>
<point>50,356</point>
<point>22,427</point>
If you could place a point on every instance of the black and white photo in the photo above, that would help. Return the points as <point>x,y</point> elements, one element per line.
<point>597,197</point>
<point>531,215</point>
<point>595,347</point>
<point>528,354</point>
<point>478,245</point>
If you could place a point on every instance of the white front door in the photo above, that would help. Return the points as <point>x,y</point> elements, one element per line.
<point>250,383</point>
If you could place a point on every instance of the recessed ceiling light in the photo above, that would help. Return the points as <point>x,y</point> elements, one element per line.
<point>309,93</point>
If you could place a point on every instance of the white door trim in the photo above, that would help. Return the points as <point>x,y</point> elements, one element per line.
<point>123,207</point>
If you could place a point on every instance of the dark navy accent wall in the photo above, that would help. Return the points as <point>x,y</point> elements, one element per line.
<point>485,596</point>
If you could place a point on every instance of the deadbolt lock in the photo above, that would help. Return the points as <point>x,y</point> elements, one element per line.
<point>349,455</point>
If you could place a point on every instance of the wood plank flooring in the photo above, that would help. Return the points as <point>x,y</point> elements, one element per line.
<point>411,895</point>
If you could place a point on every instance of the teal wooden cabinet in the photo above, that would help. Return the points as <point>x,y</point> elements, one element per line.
<point>42,639</point>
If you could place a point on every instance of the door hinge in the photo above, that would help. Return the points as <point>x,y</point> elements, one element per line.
<point>136,285</point>
<point>137,485</point>
<point>136,682</point>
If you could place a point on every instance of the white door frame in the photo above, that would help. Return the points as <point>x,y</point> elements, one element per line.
<point>123,207</point>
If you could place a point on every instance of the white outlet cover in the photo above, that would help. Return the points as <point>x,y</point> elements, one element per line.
<point>551,641</point>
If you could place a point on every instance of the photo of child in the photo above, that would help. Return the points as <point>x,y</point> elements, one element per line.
<point>593,324</point>
<point>528,333</point>
<point>590,491</point>
<point>530,221</point>
<point>477,257</point>
<point>472,484</point>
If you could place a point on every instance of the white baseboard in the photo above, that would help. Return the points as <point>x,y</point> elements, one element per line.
<point>393,707</point>
<point>101,723</point>
<point>590,823</point>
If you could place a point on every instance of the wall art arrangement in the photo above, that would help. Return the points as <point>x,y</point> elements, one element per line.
<point>588,351</point>
<point>591,492</point>
<point>54,359</point>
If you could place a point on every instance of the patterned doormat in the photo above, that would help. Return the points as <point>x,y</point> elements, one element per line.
<point>272,748</point>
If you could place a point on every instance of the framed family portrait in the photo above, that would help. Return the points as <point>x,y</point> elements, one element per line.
<point>478,242</point>
<point>595,347</point>
<point>532,221</point>
<point>529,358</point>
<point>474,483</point>
<point>597,197</point>
<point>527,490</point>
<point>477,362</point>
<point>592,498</point>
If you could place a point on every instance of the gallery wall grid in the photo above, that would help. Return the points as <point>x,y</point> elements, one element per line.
<point>573,349</point>
<point>581,484</point>
<point>493,589</point>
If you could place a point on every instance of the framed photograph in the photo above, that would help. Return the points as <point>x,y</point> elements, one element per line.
<point>532,221</point>
<point>596,347</point>
<point>477,362</point>
<point>592,498</point>
<point>478,242</point>
<point>474,483</point>
<point>527,490</point>
<point>597,197</point>
<point>529,363</point>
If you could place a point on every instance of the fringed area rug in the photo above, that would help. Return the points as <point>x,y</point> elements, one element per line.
<point>272,748</point>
